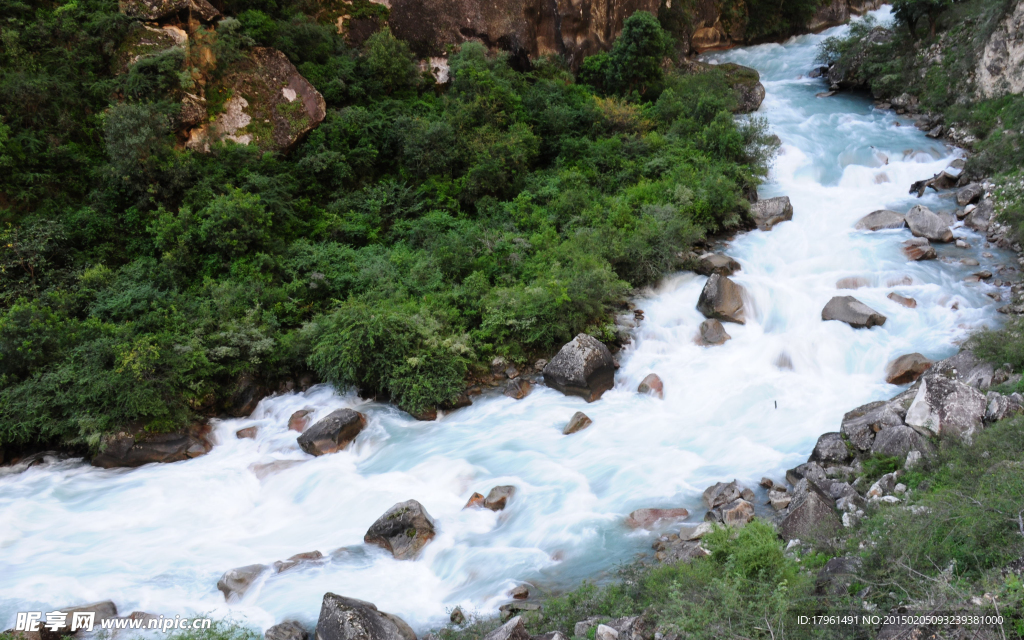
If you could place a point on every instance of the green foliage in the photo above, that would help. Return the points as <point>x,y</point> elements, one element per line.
<point>634,63</point>
<point>908,13</point>
<point>416,233</point>
<point>767,19</point>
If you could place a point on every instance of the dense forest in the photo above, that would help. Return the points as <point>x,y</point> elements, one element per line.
<point>418,232</point>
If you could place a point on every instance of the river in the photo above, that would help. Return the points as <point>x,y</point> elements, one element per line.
<point>158,538</point>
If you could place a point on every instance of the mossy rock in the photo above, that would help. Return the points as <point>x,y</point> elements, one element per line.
<point>143,40</point>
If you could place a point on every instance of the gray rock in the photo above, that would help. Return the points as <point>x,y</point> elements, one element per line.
<point>333,433</point>
<point>403,627</point>
<point>578,422</point>
<point>899,441</point>
<point>967,368</point>
<point>734,514</point>
<point>835,578</point>
<point>234,583</point>
<point>633,627</point>
<point>830,449</point>
<point>853,312</point>
<point>131,449</point>
<point>604,632</point>
<point>810,471</point>
<point>946,407</point>
<point>721,299</point>
<point>583,367</point>
<point>919,249</point>
<point>287,630</point>
<point>883,486</point>
<point>403,530</point>
<point>907,368</point>
<point>722,493</point>
<point>981,218</point>
<point>811,518</point>
<point>344,618</point>
<point>514,629</point>
<point>779,499</point>
<point>721,264</point>
<point>498,497</point>
<point>296,560</point>
<point>881,219</point>
<point>770,212</point>
<point>1000,406</point>
<point>861,424</point>
<point>969,194</point>
<point>924,223</point>
<point>713,333</point>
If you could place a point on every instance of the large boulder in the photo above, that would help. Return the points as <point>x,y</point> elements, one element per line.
<point>403,530</point>
<point>333,433</point>
<point>881,219</point>
<point>947,407</point>
<point>770,212</point>
<point>718,263</point>
<point>583,367</point>
<point>924,223</point>
<point>722,299</point>
<point>1000,69</point>
<point>981,218</point>
<point>907,368</point>
<point>830,449</point>
<point>153,10</point>
<point>271,105</point>
<point>746,85</point>
<point>344,618</point>
<point>811,515</point>
<point>853,312</point>
<point>967,368</point>
<point>712,333</point>
<point>134,448</point>
<point>898,441</point>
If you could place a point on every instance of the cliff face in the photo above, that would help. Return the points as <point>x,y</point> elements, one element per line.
<point>578,28</point>
<point>1001,66</point>
<point>533,28</point>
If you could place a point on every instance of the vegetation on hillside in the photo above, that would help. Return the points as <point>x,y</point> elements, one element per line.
<point>418,232</point>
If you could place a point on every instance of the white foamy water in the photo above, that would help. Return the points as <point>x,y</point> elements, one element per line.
<point>157,538</point>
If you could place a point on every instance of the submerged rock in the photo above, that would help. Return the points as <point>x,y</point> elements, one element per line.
<point>578,422</point>
<point>853,312</point>
<point>770,212</point>
<point>909,303</point>
<point>712,333</point>
<point>721,299</point>
<point>881,219</point>
<point>498,497</point>
<point>299,420</point>
<point>583,367</point>
<point>644,518</point>
<point>134,449</point>
<point>907,368</point>
<point>333,433</point>
<point>651,384</point>
<point>919,249</point>
<point>234,583</point>
<point>403,530</point>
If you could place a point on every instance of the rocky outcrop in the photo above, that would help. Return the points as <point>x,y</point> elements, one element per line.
<point>712,333</point>
<point>344,618</point>
<point>830,449</point>
<point>143,40</point>
<point>924,223</point>
<point>578,422</point>
<point>770,212</point>
<point>652,384</point>
<point>833,14</point>
<point>853,312</point>
<point>1001,66</point>
<point>333,433</point>
<point>160,9</point>
<point>403,530</point>
<point>135,447</point>
<point>271,105</point>
<point>721,299</point>
<point>881,219</point>
<point>582,367</point>
<point>946,407</point>
<point>907,368</point>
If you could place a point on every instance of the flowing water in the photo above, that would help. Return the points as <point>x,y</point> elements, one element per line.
<point>157,538</point>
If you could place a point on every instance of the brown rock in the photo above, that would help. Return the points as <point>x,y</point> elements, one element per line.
<point>134,448</point>
<point>907,368</point>
<point>881,219</point>
<point>919,249</point>
<point>712,333</point>
<point>517,388</point>
<point>403,530</point>
<point>651,384</point>
<point>498,497</point>
<point>296,560</point>
<point>248,432</point>
<point>476,501</point>
<point>333,433</point>
<point>578,422</point>
<point>718,263</point>
<point>645,518</point>
<point>583,367</point>
<point>853,282</point>
<point>910,303</point>
<point>299,420</point>
<point>521,592</point>
<point>233,584</point>
<point>722,299</point>
<point>853,312</point>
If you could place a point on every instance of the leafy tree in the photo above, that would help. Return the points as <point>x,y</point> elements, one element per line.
<point>635,60</point>
<point>910,12</point>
